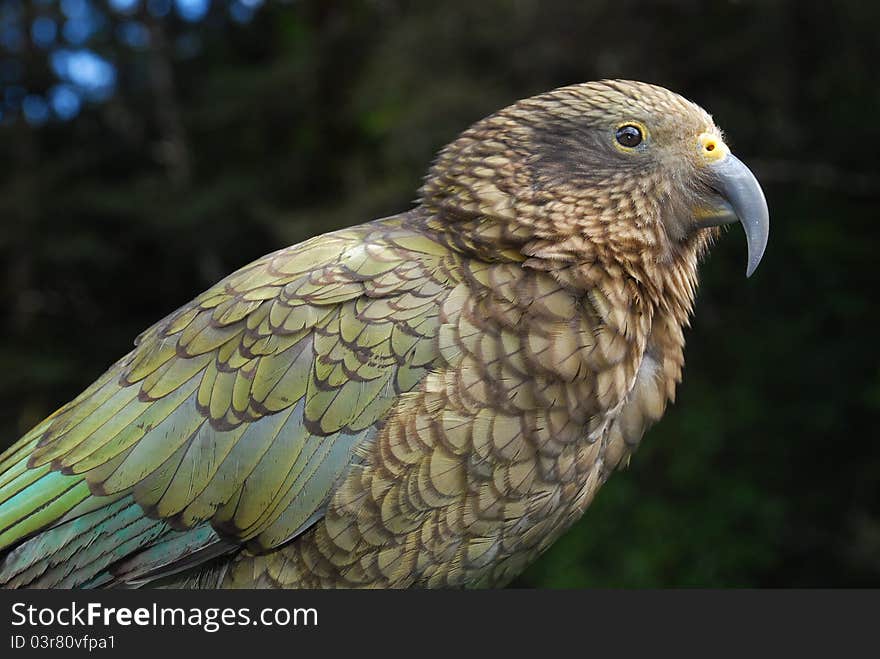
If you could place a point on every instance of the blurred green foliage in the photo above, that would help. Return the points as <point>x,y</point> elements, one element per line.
<point>319,114</point>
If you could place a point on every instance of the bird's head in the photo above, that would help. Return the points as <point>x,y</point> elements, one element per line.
<point>612,170</point>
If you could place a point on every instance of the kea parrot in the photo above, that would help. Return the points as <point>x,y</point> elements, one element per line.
<point>427,400</point>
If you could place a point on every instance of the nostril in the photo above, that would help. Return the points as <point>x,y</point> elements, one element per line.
<point>711,147</point>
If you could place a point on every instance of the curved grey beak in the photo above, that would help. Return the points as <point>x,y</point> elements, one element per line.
<point>742,201</point>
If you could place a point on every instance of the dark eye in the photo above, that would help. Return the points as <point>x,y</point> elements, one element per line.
<point>629,136</point>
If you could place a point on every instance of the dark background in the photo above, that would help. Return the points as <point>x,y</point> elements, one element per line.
<point>150,147</point>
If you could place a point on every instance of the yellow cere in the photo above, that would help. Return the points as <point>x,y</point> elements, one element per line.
<point>712,148</point>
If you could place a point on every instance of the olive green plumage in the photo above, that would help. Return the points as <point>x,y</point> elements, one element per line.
<point>426,400</point>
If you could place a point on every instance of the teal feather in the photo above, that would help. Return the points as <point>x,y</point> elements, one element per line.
<point>85,552</point>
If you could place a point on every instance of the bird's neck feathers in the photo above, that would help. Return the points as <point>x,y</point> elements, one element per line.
<point>660,280</point>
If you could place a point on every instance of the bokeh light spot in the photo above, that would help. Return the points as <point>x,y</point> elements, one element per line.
<point>192,10</point>
<point>65,102</point>
<point>124,6</point>
<point>133,34</point>
<point>43,31</point>
<point>35,109</point>
<point>94,76</point>
<point>159,8</point>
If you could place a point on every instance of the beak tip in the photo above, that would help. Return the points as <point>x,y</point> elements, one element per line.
<point>757,235</point>
<point>754,259</point>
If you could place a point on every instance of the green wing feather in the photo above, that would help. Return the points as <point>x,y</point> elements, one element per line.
<point>233,417</point>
